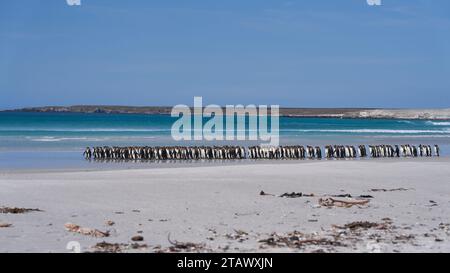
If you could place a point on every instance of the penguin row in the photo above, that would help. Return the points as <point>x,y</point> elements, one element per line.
<point>257,152</point>
<point>281,152</point>
<point>403,150</point>
<point>165,152</point>
<point>341,151</point>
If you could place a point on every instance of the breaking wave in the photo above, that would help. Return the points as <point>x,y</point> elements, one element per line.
<point>370,131</point>
<point>57,139</point>
<point>439,123</point>
<point>81,130</point>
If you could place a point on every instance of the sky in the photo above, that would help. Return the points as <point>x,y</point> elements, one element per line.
<point>305,53</point>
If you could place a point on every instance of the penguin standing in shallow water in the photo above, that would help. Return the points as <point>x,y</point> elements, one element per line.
<point>87,153</point>
<point>318,152</point>
<point>436,149</point>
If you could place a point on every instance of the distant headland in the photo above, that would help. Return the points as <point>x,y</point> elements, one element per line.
<point>370,113</point>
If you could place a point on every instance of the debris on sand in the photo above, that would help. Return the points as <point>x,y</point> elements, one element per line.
<point>14,210</point>
<point>365,196</point>
<point>385,190</point>
<point>105,247</point>
<point>263,193</point>
<point>362,225</point>
<point>445,227</point>
<point>404,238</point>
<point>85,231</point>
<point>110,223</point>
<point>137,238</point>
<point>296,195</point>
<point>331,202</point>
<point>238,235</point>
<point>346,195</point>
<point>292,195</point>
<point>297,239</point>
<point>5,225</point>
<point>247,213</point>
<point>352,235</point>
<point>183,247</point>
<point>138,246</point>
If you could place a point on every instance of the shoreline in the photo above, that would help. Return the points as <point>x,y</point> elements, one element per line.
<point>114,165</point>
<point>339,113</point>
<point>221,209</point>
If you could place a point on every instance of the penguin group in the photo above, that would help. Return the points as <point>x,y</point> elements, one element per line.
<point>284,152</point>
<point>403,150</point>
<point>344,151</point>
<point>257,152</point>
<point>165,152</point>
<point>384,151</point>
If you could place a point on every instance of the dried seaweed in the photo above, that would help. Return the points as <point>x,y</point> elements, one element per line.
<point>296,195</point>
<point>105,247</point>
<point>183,246</point>
<point>361,225</point>
<point>385,190</point>
<point>85,231</point>
<point>14,210</point>
<point>297,239</point>
<point>137,238</point>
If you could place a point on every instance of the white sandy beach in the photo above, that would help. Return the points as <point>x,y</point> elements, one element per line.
<point>221,209</point>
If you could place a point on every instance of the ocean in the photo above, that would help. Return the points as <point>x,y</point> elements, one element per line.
<point>57,140</point>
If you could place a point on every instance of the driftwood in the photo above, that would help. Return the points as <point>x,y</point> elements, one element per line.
<point>331,202</point>
<point>85,231</point>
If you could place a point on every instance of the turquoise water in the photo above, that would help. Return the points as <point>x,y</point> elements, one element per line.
<point>34,137</point>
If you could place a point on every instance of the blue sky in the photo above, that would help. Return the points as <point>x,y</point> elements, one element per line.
<point>310,53</point>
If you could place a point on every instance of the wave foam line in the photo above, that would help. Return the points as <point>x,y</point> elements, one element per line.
<point>382,131</point>
<point>438,123</point>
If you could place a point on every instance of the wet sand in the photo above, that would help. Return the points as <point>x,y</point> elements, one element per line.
<point>220,208</point>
